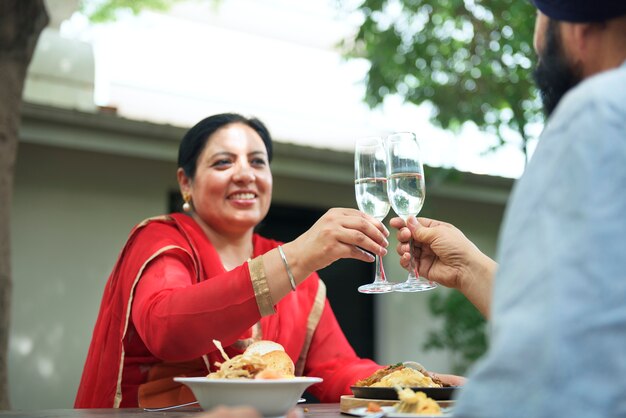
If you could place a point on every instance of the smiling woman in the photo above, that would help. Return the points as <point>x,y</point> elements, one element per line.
<point>184,280</point>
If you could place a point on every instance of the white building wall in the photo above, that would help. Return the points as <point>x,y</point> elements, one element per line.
<point>71,214</point>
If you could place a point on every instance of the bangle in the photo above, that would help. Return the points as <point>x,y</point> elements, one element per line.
<point>289,273</point>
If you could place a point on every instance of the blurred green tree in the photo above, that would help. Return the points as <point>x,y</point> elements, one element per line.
<point>471,59</point>
<point>463,333</point>
<point>100,11</point>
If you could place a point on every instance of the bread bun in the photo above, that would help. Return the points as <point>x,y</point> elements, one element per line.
<point>273,354</point>
<point>258,348</point>
<point>280,362</point>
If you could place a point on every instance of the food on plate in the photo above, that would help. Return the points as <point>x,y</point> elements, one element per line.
<point>399,375</point>
<point>378,374</point>
<point>406,377</point>
<point>263,347</point>
<point>261,360</point>
<point>416,403</point>
<point>373,407</point>
<point>279,362</point>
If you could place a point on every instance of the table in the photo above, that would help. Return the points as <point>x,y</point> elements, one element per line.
<point>314,410</point>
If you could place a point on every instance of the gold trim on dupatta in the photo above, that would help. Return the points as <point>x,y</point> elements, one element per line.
<point>260,286</point>
<point>311,325</point>
<point>165,218</point>
<point>118,389</point>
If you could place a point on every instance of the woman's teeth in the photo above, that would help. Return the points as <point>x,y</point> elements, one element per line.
<point>242,196</point>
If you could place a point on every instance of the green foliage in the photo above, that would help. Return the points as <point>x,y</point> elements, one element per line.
<point>106,10</point>
<point>463,332</point>
<point>471,59</point>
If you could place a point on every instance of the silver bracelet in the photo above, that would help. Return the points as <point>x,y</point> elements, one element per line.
<point>292,281</point>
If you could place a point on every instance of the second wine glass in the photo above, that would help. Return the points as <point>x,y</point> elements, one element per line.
<point>407,190</point>
<point>370,186</point>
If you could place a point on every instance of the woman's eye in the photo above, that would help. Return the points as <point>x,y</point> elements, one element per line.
<point>258,162</point>
<point>220,163</point>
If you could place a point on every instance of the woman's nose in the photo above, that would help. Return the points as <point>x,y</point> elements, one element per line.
<point>245,174</point>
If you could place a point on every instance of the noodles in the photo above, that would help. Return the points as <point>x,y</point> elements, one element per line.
<point>218,344</point>
<point>254,363</point>
<point>239,367</point>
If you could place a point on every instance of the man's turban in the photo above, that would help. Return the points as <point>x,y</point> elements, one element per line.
<point>581,11</point>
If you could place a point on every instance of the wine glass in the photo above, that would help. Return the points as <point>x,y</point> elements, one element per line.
<point>370,186</point>
<point>406,190</point>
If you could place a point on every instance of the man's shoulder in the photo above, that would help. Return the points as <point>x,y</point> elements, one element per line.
<point>604,90</point>
<point>596,103</point>
<point>609,84</point>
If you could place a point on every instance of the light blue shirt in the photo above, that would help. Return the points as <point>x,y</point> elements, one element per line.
<point>558,330</point>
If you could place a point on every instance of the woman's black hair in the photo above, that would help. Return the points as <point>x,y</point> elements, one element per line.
<point>196,138</point>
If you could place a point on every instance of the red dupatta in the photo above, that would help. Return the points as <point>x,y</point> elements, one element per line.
<point>103,369</point>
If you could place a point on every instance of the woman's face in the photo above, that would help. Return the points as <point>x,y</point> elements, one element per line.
<point>232,188</point>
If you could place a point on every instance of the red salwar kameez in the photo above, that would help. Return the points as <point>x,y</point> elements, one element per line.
<point>169,297</point>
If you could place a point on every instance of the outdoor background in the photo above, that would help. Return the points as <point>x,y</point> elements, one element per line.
<point>105,107</point>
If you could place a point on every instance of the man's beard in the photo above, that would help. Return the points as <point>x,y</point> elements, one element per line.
<point>554,75</point>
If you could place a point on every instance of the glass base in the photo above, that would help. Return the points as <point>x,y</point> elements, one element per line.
<point>384,287</point>
<point>414,285</point>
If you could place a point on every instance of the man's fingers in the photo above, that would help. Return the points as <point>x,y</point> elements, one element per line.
<point>397,223</point>
<point>403,234</point>
<point>420,233</point>
<point>404,260</point>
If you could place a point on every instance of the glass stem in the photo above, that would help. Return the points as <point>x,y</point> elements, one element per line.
<point>413,274</point>
<point>380,271</point>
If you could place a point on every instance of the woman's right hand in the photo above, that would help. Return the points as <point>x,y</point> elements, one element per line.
<point>339,233</point>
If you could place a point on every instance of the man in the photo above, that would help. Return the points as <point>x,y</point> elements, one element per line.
<point>558,307</point>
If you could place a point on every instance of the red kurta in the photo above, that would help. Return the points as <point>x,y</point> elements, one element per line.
<point>184,300</point>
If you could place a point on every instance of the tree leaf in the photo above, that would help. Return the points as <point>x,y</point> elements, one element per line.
<point>470,58</point>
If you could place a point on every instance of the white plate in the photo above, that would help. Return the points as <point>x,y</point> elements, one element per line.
<point>390,412</point>
<point>271,397</point>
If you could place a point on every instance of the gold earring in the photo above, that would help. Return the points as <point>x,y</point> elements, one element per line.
<point>186,204</point>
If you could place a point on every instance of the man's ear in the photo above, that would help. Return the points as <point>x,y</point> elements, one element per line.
<point>574,37</point>
<point>583,44</point>
<point>586,37</point>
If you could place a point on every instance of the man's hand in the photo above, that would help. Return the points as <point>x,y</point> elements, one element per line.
<point>444,255</point>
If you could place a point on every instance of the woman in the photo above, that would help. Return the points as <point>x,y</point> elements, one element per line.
<point>184,280</point>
